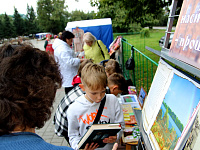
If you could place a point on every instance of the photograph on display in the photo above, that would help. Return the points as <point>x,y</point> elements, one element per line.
<point>141,97</point>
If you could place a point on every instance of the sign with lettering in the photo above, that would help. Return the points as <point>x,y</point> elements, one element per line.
<point>186,41</point>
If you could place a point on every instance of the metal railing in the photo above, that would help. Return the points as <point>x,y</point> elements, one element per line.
<point>145,67</point>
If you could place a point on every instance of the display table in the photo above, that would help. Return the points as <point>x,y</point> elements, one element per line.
<point>138,116</point>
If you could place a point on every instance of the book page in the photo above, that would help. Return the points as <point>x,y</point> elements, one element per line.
<point>155,96</point>
<point>193,142</point>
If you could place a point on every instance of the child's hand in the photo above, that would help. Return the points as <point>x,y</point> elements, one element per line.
<point>110,139</point>
<point>92,146</point>
<point>115,146</point>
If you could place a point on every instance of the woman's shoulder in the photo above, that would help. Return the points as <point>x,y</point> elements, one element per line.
<point>99,41</point>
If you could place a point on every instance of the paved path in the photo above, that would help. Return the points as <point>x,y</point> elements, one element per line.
<point>47,132</point>
<point>38,43</point>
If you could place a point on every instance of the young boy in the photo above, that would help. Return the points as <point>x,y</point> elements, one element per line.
<point>82,112</point>
<point>116,85</point>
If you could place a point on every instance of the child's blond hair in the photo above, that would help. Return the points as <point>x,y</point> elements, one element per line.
<point>93,76</point>
<point>82,65</point>
<point>112,66</point>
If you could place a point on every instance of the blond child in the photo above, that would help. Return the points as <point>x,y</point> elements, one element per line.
<point>112,66</point>
<point>82,112</point>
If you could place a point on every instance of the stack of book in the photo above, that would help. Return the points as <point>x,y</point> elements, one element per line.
<point>131,132</point>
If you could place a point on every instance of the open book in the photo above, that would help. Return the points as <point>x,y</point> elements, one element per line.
<point>130,99</point>
<point>170,107</point>
<point>97,132</point>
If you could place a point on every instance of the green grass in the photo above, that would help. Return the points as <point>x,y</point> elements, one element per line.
<point>140,43</point>
<point>144,69</point>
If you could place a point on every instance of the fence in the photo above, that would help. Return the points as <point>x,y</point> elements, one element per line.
<point>145,67</point>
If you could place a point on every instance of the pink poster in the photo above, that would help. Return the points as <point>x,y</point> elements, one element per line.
<point>186,42</point>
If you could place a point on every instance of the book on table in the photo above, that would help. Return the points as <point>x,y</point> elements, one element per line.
<point>97,132</point>
<point>130,99</point>
<point>141,97</point>
<point>129,116</point>
<point>131,134</point>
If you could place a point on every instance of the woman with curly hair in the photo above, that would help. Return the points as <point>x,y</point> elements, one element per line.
<point>28,83</point>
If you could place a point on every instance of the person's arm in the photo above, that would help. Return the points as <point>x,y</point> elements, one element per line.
<point>60,118</point>
<point>73,128</point>
<point>104,49</point>
<point>68,57</point>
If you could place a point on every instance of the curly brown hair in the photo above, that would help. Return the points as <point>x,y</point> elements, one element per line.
<point>28,83</point>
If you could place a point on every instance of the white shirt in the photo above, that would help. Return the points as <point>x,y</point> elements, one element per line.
<point>68,63</point>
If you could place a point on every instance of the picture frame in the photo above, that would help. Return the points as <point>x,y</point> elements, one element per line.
<point>141,97</point>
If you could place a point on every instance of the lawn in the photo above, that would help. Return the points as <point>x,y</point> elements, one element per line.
<point>140,43</point>
<point>144,69</point>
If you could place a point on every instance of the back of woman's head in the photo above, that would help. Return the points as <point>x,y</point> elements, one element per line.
<point>28,83</point>
<point>7,50</point>
<point>67,35</point>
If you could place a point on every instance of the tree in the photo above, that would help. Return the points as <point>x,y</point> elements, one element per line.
<point>115,11</point>
<point>18,23</point>
<point>1,29</point>
<point>78,15</point>
<point>8,27</point>
<point>52,15</point>
<point>130,11</point>
<point>30,21</point>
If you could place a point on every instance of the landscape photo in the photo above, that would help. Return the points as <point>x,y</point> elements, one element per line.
<point>178,105</point>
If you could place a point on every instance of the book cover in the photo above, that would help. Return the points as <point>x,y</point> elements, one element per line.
<point>97,132</point>
<point>141,97</point>
<point>131,121</point>
<point>127,108</point>
<point>129,116</point>
<point>131,134</point>
<point>130,99</point>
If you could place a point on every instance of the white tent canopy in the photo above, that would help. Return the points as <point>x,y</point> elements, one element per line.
<point>100,28</point>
